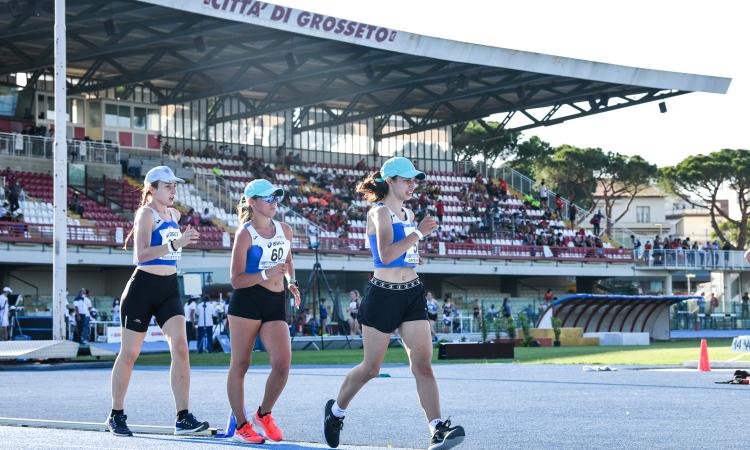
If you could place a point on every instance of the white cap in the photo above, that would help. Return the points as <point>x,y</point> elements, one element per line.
<point>8,290</point>
<point>162,173</point>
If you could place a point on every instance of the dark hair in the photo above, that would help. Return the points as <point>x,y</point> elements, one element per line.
<point>373,187</point>
<point>244,211</point>
<point>144,199</point>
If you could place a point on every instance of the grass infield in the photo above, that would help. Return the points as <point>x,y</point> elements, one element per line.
<point>658,353</point>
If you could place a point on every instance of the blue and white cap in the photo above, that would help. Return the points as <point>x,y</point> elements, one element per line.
<point>401,167</point>
<point>262,188</point>
<point>162,173</point>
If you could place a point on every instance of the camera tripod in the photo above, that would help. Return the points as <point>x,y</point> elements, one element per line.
<point>313,288</point>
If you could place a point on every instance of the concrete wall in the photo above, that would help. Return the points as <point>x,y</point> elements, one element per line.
<point>657,206</point>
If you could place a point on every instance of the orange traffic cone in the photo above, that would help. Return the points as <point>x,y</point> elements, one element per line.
<point>703,364</point>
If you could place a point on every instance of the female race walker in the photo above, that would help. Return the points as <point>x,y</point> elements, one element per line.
<point>153,291</point>
<point>395,299</point>
<point>261,257</point>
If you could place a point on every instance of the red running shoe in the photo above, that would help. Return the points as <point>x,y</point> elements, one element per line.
<point>247,435</point>
<point>268,427</point>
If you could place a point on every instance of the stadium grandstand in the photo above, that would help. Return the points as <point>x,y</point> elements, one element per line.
<point>227,92</point>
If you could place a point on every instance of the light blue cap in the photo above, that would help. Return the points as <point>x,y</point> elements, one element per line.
<point>262,188</point>
<point>162,173</point>
<point>401,167</point>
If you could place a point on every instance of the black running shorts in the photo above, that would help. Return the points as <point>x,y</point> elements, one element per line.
<point>388,305</point>
<point>148,295</point>
<point>258,303</point>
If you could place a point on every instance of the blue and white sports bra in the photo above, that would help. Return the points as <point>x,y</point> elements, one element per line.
<point>401,229</point>
<point>266,253</point>
<point>162,233</point>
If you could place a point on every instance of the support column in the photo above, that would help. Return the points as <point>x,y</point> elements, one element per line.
<point>60,181</point>
<point>668,284</point>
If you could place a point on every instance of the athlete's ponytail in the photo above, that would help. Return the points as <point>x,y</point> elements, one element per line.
<point>244,211</point>
<point>373,187</point>
<point>145,194</point>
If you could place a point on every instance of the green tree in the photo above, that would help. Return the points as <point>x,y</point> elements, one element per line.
<point>621,178</point>
<point>572,172</point>
<point>530,154</point>
<point>698,180</point>
<point>485,140</point>
<point>575,173</point>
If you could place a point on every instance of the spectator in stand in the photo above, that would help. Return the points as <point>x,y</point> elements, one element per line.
<point>543,195</point>
<point>195,219</point>
<point>596,221</point>
<point>5,215</point>
<point>361,165</point>
<point>559,205</point>
<point>572,211</point>
<point>726,248</point>
<point>439,210</point>
<point>75,204</point>
<point>745,306</point>
<point>206,217</point>
<point>13,194</point>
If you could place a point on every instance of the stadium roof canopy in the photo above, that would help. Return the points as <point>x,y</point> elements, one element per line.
<point>274,58</point>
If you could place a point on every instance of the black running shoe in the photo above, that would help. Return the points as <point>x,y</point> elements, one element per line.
<point>117,425</point>
<point>189,425</point>
<point>446,436</point>
<point>332,425</point>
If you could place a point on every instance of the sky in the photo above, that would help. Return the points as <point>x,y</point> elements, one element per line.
<point>706,38</point>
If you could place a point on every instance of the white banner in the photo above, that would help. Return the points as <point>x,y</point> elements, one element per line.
<point>153,334</point>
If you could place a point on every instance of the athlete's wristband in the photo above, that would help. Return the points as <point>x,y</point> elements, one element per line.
<point>418,233</point>
<point>263,275</point>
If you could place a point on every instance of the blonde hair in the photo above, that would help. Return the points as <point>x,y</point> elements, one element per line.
<point>244,211</point>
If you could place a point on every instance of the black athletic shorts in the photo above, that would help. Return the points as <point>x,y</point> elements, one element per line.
<point>148,295</point>
<point>388,305</point>
<point>432,317</point>
<point>258,303</point>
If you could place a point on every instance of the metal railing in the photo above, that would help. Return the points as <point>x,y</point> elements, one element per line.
<point>217,189</point>
<point>691,259</point>
<point>111,236</point>
<point>14,144</point>
<point>525,185</point>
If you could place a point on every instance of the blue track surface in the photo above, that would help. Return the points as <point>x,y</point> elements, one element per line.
<point>501,406</point>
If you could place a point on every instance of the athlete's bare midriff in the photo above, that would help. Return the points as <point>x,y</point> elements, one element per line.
<point>162,270</point>
<point>396,274</point>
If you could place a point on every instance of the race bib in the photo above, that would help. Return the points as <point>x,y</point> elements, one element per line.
<point>412,254</point>
<point>274,253</point>
<point>170,234</point>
